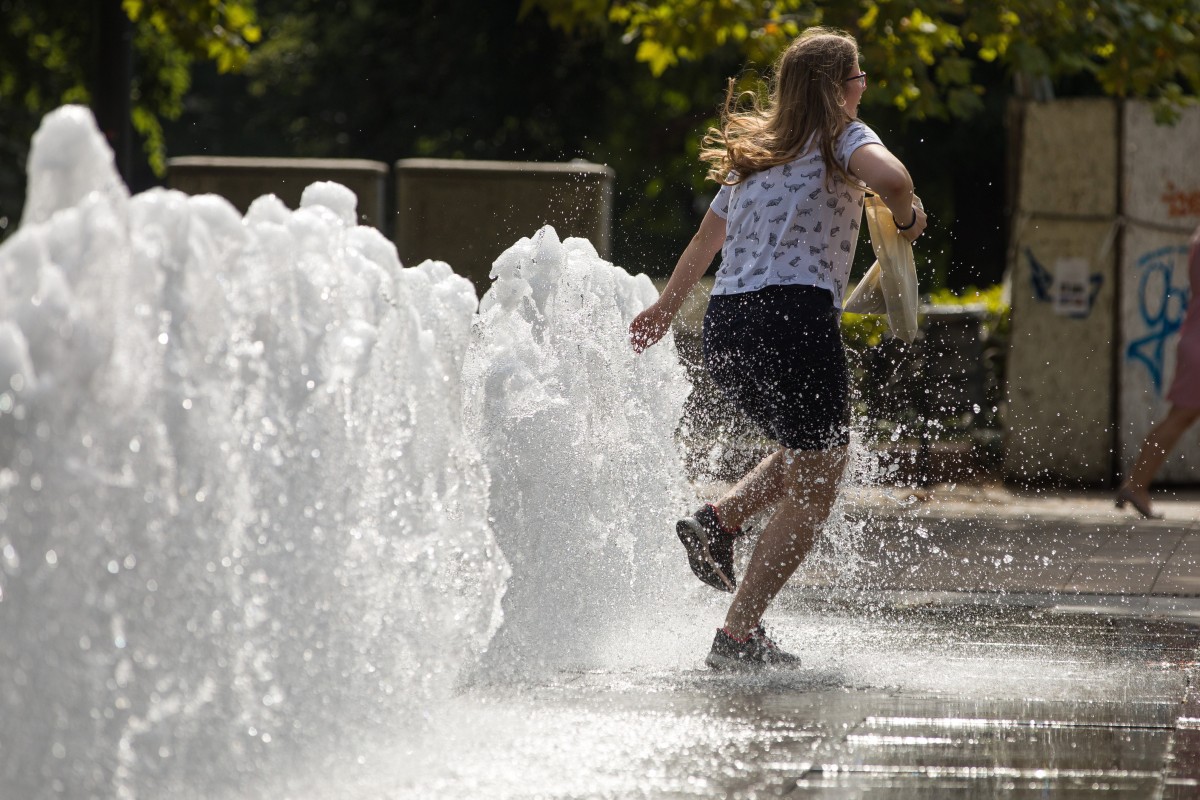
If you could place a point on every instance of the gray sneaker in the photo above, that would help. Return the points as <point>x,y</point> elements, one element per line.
<point>709,548</point>
<point>756,652</point>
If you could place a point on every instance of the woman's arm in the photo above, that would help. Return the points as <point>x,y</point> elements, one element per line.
<point>875,166</point>
<point>652,324</point>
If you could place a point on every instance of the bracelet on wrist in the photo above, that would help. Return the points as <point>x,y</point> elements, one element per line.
<point>900,227</point>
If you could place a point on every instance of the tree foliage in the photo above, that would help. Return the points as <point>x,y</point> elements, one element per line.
<point>169,36</point>
<point>464,79</point>
<point>924,56</point>
<point>49,53</point>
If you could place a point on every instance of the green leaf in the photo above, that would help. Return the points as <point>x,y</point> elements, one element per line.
<point>657,56</point>
<point>1046,40</point>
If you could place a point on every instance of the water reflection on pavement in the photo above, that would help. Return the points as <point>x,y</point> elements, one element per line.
<point>955,702</point>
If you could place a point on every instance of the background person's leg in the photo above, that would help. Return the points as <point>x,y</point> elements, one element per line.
<point>1158,445</point>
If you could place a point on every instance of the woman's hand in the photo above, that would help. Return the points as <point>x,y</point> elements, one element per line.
<point>919,222</point>
<point>653,323</point>
<point>649,326</point>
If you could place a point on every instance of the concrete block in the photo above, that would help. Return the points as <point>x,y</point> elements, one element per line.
<point>1062,266</point>
<point>242,180</point>
<point>1154,297</point>
<point>467,213</point>
<point>1060,365</point>
<point>1069,158</point>
<point>1161,180</point>
<point>1161,198</point>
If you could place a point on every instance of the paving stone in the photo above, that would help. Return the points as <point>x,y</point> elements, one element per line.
<point>1068,670</point>
<point>895,787</point>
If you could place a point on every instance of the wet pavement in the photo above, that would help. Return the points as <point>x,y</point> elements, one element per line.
<point>915,703</point>
<point>990,643</point>
<point>995,540</point>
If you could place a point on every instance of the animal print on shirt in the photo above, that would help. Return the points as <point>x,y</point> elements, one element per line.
<point>818,252</point>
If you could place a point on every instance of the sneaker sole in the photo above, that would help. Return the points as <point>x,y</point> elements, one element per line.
<point>727,664</point>
<point>722,663</point>
<point>695,542</point>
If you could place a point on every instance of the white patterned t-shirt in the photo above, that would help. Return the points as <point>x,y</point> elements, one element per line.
<point>785,227</point>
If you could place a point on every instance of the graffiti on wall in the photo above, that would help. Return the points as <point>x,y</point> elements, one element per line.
<point>1162,301</point>
<point>1070,286</point>
<point>1181,202</point>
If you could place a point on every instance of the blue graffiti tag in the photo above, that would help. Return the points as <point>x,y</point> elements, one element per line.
<point>1039,277</point>
<point>1042,281</point>
<point>1161,308</point>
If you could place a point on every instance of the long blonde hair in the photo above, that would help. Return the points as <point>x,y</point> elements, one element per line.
<point>806,102</point>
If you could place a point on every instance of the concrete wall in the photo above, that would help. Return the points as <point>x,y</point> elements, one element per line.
<point>1060,367</point>
<point>1107,199</point>
<point>243,180</point>
<point>1161,192</point>
<point>467,213</point>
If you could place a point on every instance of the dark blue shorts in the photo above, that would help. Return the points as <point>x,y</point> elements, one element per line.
<point>777,354</point>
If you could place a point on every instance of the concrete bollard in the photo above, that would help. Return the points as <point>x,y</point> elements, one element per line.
<point>467,213</point>
<point>242,180</point>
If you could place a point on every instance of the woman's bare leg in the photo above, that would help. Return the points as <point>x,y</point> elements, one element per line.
<point>1158,445</point>
<point>759,489</point>
<point>805,485</point>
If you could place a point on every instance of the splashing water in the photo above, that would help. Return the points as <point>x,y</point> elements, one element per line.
<point>238,513</point>
<point>266,496</point>
<point>578,433</point>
